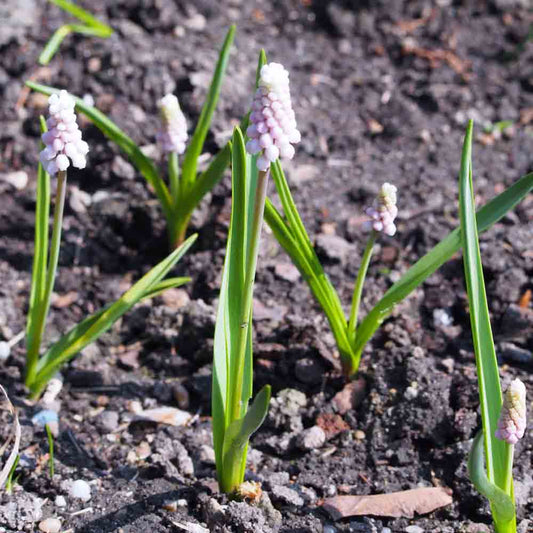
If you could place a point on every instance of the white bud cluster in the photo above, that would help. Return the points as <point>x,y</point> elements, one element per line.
<point>172,135</point>
<point>385,211</point>
<point>63,138</point>
<point>272,129</point>
<point>512,422</point>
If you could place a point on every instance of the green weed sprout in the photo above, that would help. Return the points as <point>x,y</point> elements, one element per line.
<point>50,439</point>
<point>63,145</point>
<point>503,423</point>
<point>350,335</point>
<point>185,190</point>
<point>91,26</point>
<point>233,421</point>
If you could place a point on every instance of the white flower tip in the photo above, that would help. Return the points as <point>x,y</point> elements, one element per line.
<point>272,129</point>
<point>172,134</point>
<point>63,139</point>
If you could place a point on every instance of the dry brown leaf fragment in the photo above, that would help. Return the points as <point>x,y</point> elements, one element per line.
<point>396,504</point>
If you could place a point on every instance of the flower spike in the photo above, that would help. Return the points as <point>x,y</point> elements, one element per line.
<point>512,422</point>
<point>272,129</point>
<point>172,135</point>
<point>385,212</point>
<point>63,138</point>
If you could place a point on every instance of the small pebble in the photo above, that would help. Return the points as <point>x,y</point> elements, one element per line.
<point>414,529</point>
<point>18,179</point>
<point>81,490</point>
<point>359,434</point>
<point>207,454</point>
<point>311,438</point>
<point>50,525</point>
<point>60,501</point>
<point>5,350</point>
<point>329,529</point>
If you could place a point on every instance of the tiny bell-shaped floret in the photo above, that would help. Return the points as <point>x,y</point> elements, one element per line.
<point>385,211</point>
<point>172,134</point>
<point>63,138</point>
<point>512,422</point>
<point>272,129</point>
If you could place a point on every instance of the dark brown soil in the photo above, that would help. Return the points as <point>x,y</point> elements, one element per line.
<point>382,92</point>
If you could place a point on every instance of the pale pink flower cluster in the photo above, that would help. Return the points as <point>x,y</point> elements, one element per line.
<point>385,211</point>
<point>512,422</point>
<point>172,135</point>
<point>63,138</point>
<point>272,129</point>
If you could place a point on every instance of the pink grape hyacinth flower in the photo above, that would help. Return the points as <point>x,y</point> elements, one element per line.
<point>272,129</point>
<point>172,134</point>
<point>512,422</point>
<point>385,211</point>
<point>63,138</point>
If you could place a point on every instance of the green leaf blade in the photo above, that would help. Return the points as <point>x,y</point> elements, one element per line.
<point>486,362</point>
<point>486,217</point>
<point>92,327</point>
<point>195,147</point>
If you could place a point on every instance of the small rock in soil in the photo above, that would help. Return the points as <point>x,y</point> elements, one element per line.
<point>333,247</point>
<point>311,439</point>
<point>285,410</point>
<point>80,490</point>
<point>286,495</point>
<point>286,271</point>
<point>50,525</point>
<point>108,421</point>
<point>508,285</point>
<point>60,501</point>
<point>350,396</point>
<point>18,179</point>
<point>122,169</point>
<point>414,529</point>
<point>207,454</point>
<point>308,370</point>
<point>517,320</point>
<point>513,353</point>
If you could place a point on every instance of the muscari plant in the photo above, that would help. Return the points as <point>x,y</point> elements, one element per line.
<point>271,132</point>
<point>185,188</point>
<point>90,26</point>
<point>503,421</point>
<point>352,335</point>
<point>63,145</point>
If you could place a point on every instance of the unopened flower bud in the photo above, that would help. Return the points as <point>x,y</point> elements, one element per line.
<point>272,129</point>
<point>63,138</point>
<point>172,135</point>
<point>384,212</point>
<point>512,422</point>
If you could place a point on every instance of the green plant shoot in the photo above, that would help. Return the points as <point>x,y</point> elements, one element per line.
<point>50,439</point>
<point>185,188</point>
<point>233,421</point>
<point>351,335</point>
<point>62,144</point>
<point>496,482</point>
<point>90,26</point>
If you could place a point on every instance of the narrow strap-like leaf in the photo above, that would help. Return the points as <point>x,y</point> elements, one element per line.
<point>487,365</point>
<point>40,261</point>
<point>83,15</point>
<point>195,147</point>
<point>488,215</point>
<point>91,328</point>
<point>502,504</point>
